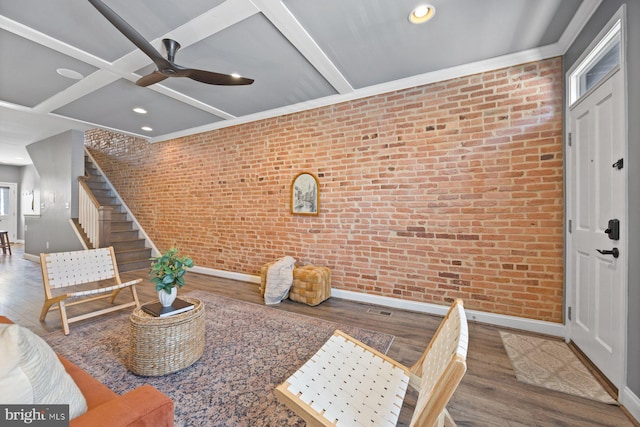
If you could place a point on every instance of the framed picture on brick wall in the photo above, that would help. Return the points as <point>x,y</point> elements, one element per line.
<point>305,194</point>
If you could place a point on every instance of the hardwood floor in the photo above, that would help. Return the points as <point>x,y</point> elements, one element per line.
<point>489,394</point>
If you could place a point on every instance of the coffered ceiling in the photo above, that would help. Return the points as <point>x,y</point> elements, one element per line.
<point>301,53</point>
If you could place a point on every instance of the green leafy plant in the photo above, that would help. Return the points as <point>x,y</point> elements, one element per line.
<point>168,270</point>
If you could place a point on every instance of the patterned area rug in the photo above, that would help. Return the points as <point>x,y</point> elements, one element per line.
<point>249,350</point>
<point>552,364</point>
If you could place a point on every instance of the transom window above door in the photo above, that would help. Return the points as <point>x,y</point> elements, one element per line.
<point>602,60</point>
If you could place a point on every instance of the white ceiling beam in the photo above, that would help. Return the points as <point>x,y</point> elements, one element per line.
<point>282,18</point>
<point>213,21</point>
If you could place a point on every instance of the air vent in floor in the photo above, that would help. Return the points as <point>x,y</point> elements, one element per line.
<point>378,311</point>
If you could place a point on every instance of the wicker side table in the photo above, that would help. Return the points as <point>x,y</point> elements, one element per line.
<point>163,345</point>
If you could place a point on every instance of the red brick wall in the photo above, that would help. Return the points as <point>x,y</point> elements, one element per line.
<point>448,190</point>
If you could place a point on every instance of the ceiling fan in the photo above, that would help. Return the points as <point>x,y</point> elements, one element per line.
<point>165,66</point>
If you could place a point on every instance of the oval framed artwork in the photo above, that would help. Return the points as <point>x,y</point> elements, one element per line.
<point>305,194</point>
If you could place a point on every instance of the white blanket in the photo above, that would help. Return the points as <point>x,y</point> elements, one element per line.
<point>279,280</point>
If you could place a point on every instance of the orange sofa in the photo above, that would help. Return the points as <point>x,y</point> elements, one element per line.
<point>144,406</point>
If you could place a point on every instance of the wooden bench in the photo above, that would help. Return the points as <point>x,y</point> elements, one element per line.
<point>94,268</point>
<point>347,383</point>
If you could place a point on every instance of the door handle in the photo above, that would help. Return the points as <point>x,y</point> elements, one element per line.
<point>615,252</point>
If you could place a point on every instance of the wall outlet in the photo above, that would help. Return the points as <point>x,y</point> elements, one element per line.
<point>47,245</point>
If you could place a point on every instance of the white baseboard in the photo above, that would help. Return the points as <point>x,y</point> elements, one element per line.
<point>538,326</point>
<point>631,402</point>
<point>29,257</point>
<point>226,274</point>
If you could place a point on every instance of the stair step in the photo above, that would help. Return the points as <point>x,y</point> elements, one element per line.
<point>133,254</point>
<point>124,245</point>
<point>119,216</point>
<point>106,200</point>
<point>133,265</point>
<point>95,185</point>
<point>121,225</point>
<point>102,192</point>
<point>115,209</point>
<point>124,235</point>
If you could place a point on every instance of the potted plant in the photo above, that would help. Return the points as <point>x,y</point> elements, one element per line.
<point>167,272</point>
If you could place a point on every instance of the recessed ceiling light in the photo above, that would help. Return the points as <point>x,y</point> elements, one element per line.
<point>146,128</point>
<point>139,110</point>
<point>70,74</point>
<point>422,14</point>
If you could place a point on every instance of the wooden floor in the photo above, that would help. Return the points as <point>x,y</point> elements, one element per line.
<point>489,394</point>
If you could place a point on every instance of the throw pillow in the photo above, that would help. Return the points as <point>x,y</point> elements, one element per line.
<point>14,384</point>
<point>31,372</point>
<point>279,280</point>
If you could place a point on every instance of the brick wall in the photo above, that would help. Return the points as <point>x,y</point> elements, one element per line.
<point>448,190</point>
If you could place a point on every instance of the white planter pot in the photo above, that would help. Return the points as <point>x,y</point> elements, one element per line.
<point>167,299</point>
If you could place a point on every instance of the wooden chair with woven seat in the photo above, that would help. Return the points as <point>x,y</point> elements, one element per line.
<point>347,383</point>
<point>96,269</point>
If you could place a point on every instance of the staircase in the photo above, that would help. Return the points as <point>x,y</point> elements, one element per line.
<point>131,250</point>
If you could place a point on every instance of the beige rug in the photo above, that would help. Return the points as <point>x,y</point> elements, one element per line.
<point>552,364</point>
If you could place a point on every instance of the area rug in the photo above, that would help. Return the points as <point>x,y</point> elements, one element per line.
<point>551,364</point>
<point>249,350</point>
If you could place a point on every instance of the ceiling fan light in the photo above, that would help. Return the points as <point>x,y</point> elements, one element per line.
<point>421,14</point>
<point>235,75</point>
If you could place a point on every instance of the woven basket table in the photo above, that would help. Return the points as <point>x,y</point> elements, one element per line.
<point>163,345</point>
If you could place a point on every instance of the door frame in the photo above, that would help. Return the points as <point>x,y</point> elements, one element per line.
<point>13,205</point>
<point>570,289</point>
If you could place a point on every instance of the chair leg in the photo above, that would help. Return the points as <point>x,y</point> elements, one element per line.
<point>45,309</point>
<point>4,242</point>
<point>134,293</point>
<point>63,317</point>
<point>114,294</point>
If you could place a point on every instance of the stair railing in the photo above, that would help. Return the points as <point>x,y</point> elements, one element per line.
<point>94,219</point>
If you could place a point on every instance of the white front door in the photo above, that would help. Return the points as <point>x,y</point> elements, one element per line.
<point>9,209</point>
<point>597,194</point>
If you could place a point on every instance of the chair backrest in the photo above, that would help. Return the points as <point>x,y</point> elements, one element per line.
<point>62,269</point>
<point>441,366</point>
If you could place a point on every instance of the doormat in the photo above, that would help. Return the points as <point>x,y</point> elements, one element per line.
<point>551,364</point>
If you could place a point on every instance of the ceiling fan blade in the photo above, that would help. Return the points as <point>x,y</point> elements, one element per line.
<point>149,79</point>
<point>212,78</point>
<point>166,67</point>
<point>129,32</point>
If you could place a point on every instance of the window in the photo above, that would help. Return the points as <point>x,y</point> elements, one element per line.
<point>604,58</point>
<point>4,201</point>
